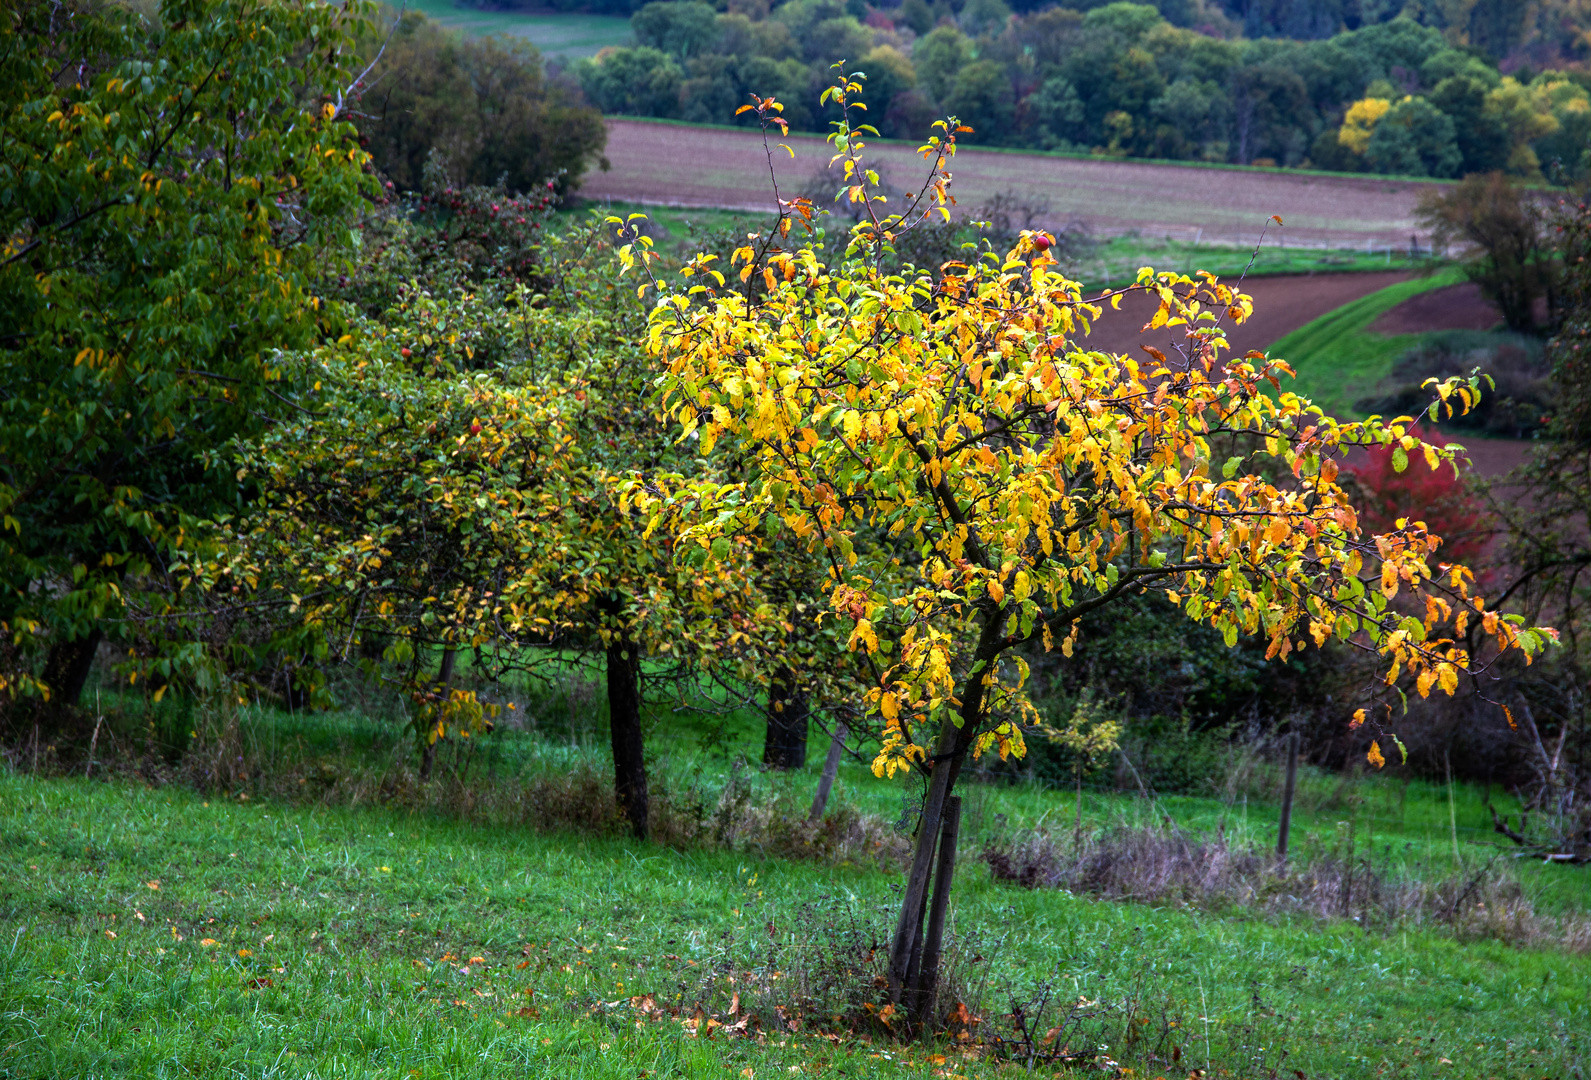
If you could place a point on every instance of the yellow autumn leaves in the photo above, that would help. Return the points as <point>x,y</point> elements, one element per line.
<point>977,477</point>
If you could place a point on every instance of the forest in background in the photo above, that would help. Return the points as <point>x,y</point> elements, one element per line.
<point>1417,94</point>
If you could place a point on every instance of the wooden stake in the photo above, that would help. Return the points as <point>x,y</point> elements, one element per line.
<point>1287,797</point>
<point>831,769</point>
<point>933,946</point>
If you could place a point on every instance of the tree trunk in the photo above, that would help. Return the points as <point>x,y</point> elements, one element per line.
<point>926,981</point>
<point>444,682</point>
<point>624,718</point>
<point>831,769</point>
<point>786,744</point>
<point>949,753</point>
<point>67,666</point>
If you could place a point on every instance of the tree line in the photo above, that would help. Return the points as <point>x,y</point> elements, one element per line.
<point>1119,79</point>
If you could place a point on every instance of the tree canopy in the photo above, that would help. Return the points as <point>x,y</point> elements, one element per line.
<point>169,187</point>
<point>1173,81</point>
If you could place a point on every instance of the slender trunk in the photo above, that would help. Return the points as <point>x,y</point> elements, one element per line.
<point>1288,788</point>
<point>949,752</point>
<point>624,718</point>
<point>831,769</point>
<point>927,980</point>
<point>788,711</point>
<point>444,683</point>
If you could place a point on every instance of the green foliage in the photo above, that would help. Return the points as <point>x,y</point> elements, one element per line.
<point>169,187</point>
<point>680,28</point>
<point>640,82</point>
<point>1118,78</point>
<point>442,240</point>
<point>1522,396</point>
<point>1415,138</point>
<point>482,104</point>
<point>453,487</point>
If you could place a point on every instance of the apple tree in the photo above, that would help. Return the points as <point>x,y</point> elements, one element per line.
<point>979,478</point>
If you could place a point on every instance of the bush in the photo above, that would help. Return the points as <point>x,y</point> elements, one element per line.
<point>1160,866</point>
<point>484,103</point>
<point>1519,403</point>
<point>444,238</point>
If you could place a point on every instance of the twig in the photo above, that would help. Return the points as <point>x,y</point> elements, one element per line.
<point>343,94</point>
<point>94,741</point>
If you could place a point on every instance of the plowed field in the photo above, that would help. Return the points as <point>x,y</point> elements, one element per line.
<point>681,165</point>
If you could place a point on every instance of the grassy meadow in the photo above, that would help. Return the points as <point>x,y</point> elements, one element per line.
<point>316,921</point>
<point>571,35</point>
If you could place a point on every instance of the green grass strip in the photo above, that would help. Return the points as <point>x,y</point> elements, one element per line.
<point>1338,358</point>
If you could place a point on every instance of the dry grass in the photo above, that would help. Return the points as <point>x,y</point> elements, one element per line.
<point>1167,866</point>
<point>226,757</point>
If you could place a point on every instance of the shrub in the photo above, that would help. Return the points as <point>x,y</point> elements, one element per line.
<point>483,102</point>
<point>1440,498</point>
<point>1155,865</point>
<point>445,237</point>
<point>1522,396</point>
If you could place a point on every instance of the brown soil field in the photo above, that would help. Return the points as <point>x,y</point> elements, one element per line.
<point>1282,304</point>
<point>680,165</point>
<point>1457,307</point>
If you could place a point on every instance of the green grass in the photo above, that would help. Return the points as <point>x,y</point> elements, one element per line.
<point>1119,258</point>
<point>340,936</point>
<point>566,35</point>
<point>1115,261</point>
<point>1339,359</point>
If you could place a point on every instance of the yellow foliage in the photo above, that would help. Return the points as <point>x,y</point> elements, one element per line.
<point>1034,479</point>
<point>1360,123</point>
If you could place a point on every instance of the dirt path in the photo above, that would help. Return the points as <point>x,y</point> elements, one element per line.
<point>681,165</point>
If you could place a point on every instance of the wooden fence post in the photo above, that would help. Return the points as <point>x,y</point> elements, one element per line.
<point>1287,796</point>
<point>831,769</point>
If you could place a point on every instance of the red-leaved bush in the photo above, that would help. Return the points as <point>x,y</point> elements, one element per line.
<point>1441,499</point>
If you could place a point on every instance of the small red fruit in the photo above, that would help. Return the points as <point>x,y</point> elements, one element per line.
<point>405,351</point>
<point>1042,241</point>
<point>475,429</point>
